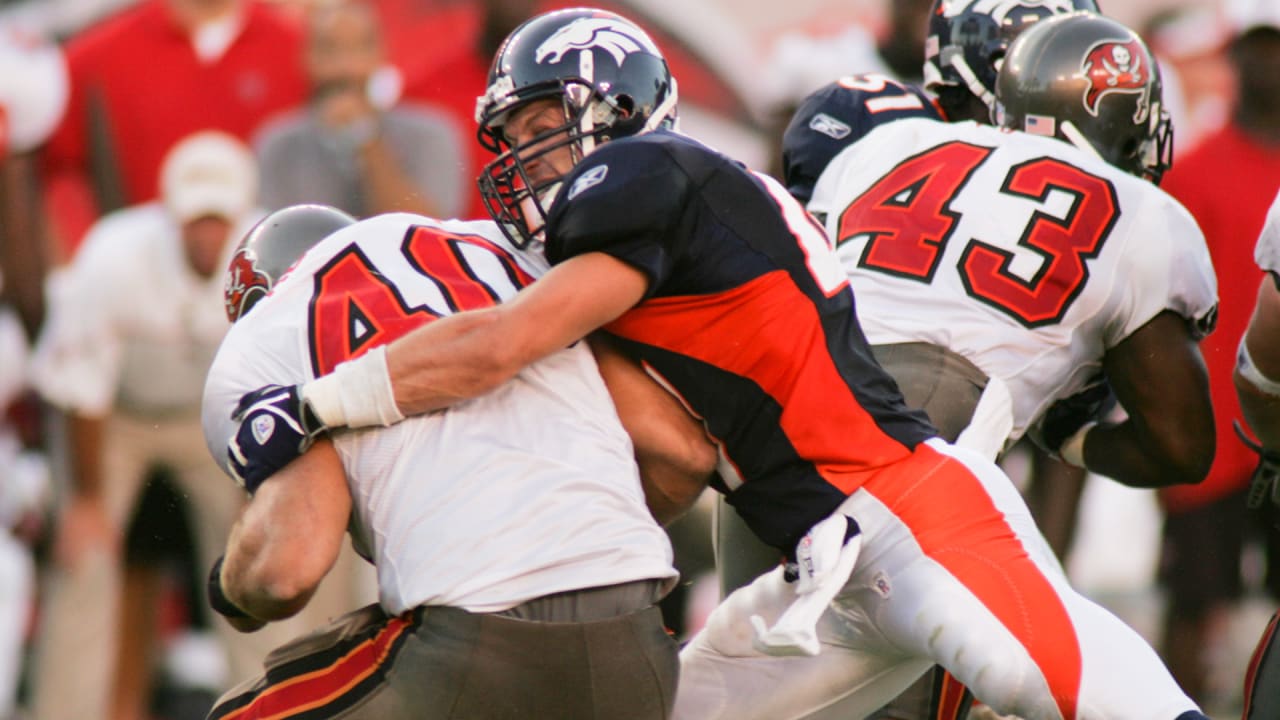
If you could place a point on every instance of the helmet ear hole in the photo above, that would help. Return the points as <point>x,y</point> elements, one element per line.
<point>626,105</point>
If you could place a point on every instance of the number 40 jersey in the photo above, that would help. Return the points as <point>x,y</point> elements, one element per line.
<point>528,490</point>
<point>1022,253</point>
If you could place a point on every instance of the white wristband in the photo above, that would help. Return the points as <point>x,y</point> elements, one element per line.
<point>1072,450</point>
<point>356,394</point>
<point>1249,371</point>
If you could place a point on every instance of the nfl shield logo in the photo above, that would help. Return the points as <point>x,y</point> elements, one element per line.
<point>263,426</point>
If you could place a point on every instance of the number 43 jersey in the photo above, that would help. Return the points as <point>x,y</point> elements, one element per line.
<point>528,490</point>
<point>1022,253</point>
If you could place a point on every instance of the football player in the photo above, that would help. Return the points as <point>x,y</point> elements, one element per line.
<point>1039,264</point>
<point>1257,366</point>
<point>727,292</point>
<point>516,560</point>
<point>999,276</point>
<point>965,44</point>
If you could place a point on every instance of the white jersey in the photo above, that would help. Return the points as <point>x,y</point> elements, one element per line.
<point>529,490</point>
<point>131,327</point>
<point>1267,251</point>
<point>1021,253</point>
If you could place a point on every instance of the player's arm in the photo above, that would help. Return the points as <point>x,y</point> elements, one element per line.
<point>675,456</point>
<point>1256,373</point>
<point>285,540</point>
<point>466,355</point>
<point>1159,377</point>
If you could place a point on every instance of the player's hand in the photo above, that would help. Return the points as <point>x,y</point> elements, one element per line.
<point>817,557</point>
<point>824,560</point>
<point>1066,416</point>
<point>1264,486</point>
<point>275,426</point>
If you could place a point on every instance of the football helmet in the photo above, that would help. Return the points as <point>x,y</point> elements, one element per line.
<point>967,41</point>
<point>1093,82</point>
<point>612,81</point>
<point>271,248</point>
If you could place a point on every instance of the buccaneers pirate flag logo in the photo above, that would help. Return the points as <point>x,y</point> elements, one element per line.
<point>1117,67</point>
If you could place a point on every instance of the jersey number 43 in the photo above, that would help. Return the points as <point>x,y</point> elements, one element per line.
<point>908,219</point>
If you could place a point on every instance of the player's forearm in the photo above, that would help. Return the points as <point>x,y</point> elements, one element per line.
<point>1137,457</point>
<point>288,536</point>
<point>449,360</point>
<point>452,359</point>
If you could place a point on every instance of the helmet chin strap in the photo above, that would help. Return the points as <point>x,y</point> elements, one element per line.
<point>1077,138</point>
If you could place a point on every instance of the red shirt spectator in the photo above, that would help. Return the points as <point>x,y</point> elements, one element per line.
<point>150,76</point>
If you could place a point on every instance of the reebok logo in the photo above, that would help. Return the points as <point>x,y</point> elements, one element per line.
<point>829,126</point>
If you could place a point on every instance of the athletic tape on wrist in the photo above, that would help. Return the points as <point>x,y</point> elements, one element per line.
<point>218,599</point>
<point>1072,450</point>
<point>1249,371</point>
<point>356,394</point>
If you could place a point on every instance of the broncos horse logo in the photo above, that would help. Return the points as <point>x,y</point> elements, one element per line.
<point>617,38</point>
<point>1116,67</point>
<point>1001,10</point>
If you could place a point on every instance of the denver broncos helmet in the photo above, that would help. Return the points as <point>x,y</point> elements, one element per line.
<point>271,247</point>
<point>968,39</point>
<point>1093,82</point>
<point>612,80</point>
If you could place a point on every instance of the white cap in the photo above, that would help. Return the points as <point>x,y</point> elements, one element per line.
<point>208,173</point>
<point>1245,15</point>
<point>33,89</point>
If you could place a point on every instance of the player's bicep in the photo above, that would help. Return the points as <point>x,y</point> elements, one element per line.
<point>1159,377</point>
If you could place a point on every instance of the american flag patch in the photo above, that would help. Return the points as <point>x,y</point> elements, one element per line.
<point>1040,125</point>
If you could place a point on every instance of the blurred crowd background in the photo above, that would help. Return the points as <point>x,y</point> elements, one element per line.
<point>154,132</point>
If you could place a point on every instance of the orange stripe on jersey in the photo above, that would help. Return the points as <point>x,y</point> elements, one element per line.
<point>769,332</point>
<point>957,525</point>
<point>318,688</point>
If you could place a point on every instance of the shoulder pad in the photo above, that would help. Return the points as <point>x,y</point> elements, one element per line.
<point>838,115</point>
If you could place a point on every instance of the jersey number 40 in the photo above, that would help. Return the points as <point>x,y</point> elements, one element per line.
<point>908,219</point>
<point>355,307</point>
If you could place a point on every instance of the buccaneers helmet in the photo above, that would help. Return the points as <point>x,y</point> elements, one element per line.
<point>612,81</point>
<point>271,247</point>
<point>1093,82</point>
<point>968,39</point>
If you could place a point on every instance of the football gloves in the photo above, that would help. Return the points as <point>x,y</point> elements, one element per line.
<point>275,426</point>
<point>1066,416</point>
<point>1264,490</point>
<point>824,560</point>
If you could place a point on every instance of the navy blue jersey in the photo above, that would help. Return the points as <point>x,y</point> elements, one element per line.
<point>838,115</point>
<point>748,318</point>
